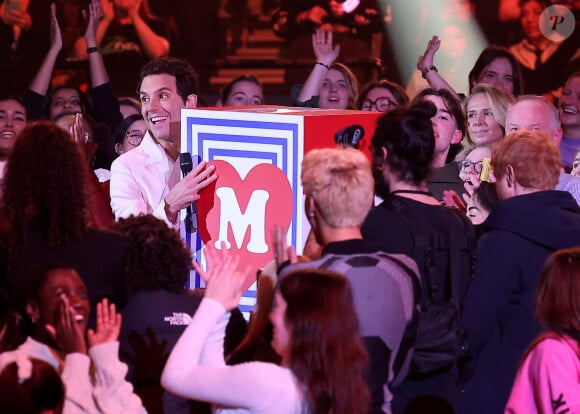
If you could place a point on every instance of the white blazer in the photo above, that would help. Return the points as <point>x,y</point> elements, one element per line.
<point>139,181</point>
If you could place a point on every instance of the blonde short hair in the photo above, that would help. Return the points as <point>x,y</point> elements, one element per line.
<point>499,103</point>
<point>341,183</point>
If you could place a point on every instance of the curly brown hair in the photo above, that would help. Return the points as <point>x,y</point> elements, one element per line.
<point>157,257</point>
<point>44,184</point>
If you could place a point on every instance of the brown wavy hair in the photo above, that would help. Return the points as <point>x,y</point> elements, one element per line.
<point>327,355</point>
<point>351,83</point>
<point>557,299</point>
<point>44,184</point>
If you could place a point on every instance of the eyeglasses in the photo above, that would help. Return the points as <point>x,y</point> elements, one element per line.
<point>382,104</point>
<point>466,165</point>
<point>134,137</point>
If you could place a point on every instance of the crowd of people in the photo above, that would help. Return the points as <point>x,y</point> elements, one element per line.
<point>441,273</point>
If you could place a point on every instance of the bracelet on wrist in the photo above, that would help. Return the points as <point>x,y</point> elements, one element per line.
<point>428,69</point>
<point>323,64</point>
<point>93,49</point>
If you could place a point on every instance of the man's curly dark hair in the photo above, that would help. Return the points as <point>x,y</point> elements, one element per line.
<point>157,257</point>
<point>44,185</point>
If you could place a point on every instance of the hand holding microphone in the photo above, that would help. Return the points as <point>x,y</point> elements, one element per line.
<point>186,192</point>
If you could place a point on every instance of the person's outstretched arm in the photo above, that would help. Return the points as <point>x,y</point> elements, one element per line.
<point>428,69</point>
<point>79,50</point>
<point>99,75</point>
<point>255,386</point>
<point>105,103</point>
<point>38,88</point>
<point>325,54</point>
<point>111,392</point>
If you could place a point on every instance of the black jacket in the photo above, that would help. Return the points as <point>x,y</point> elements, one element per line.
<point>498,311</point>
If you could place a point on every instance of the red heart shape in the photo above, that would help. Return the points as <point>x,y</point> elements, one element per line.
<point>223,207</point>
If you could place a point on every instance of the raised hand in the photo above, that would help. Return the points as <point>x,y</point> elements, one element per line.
<point>281,250</point>
<point>224,279</point>
<point>324,51</point>
<point>470,189</point>
<point>92,16</point>
<point>55,33</point>
<point>427,58</point>
<point>108,324</point>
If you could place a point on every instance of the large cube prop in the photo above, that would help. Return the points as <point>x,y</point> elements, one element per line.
<point>258,153</point>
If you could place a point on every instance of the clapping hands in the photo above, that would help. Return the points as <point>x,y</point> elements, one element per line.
<point>92,17</point>
<point>55,33</point>
<point>282,252</point>
<point>224,279</point>
<point>69,335</point>
<point>66,332</point>
<point>108,324</point>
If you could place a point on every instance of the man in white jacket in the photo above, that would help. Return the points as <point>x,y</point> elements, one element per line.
<point>147,180</point>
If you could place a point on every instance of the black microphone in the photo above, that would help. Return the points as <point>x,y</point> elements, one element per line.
<point>186,165</point>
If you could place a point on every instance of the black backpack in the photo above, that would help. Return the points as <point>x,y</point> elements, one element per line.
<point>445,255</point>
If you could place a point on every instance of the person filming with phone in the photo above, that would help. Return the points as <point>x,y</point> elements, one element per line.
<point>24,41</point>
<point>15,13</point>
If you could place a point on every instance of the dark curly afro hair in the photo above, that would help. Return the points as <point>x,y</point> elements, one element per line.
<point>157,257</point>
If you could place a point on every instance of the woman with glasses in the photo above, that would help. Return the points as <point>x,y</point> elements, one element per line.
<point>130,133</point>
<point>382,96</point>
<point>470,173</point>
<point>470,168</point>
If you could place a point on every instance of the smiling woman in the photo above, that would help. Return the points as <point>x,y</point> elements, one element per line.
<point>54,308</point>
<point>382,96</point>
<point>569,109</point>
<point>130,133</point>
<point>12,121</point>
<point>485,110</point>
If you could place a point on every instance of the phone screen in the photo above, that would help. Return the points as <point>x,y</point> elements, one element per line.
<point>13,5</point>
<point>485,169</point>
